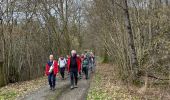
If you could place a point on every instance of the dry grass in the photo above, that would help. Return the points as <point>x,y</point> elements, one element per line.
<point>12,91</point>
<point>106,86</point>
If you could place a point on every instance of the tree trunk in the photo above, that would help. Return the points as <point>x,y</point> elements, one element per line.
<point>2,77</point>
<point>134,62</point>
<point>64,18</point>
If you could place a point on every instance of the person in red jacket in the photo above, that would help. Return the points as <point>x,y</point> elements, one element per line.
<point>78,57</point>
<point>51,71</point>
<point>73,68</point>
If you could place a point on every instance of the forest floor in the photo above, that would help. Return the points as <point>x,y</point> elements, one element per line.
<point>15,90</point>
<point>103,85</point>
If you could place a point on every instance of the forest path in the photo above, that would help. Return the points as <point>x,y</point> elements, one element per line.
<point>77,93</point>
<point>44,93</point>
<point>62,92</point>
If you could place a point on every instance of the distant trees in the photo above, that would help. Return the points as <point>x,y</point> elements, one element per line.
<point>134,34</point>
<point>30,30</point>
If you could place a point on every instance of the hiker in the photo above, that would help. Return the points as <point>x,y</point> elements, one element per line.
<point>52,71</point>
<point>87,54</point>
<point>92,61</point>
<point>85,66</point>
<point>62,64</point>
<point>73,68</point>
<point>68,56</point>
<point>78,57</point>
<point>82,57</point>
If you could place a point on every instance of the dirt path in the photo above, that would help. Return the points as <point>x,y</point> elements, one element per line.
<point>77,93</point>
<point>44,93</point>
<point>62,91</point>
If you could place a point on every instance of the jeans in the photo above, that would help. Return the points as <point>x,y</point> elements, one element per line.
<point>62,70</point>
<point>74,77</point>
<point>52,80</point>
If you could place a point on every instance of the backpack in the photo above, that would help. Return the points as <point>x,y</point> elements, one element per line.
<point>88,56</point>
<point>85,63</point>
<point>64,62</point>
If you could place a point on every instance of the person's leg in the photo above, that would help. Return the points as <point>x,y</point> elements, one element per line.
<point>92,66</point>
<point>84,71</point>
<point>76,78</point>
<point>80,75</point>
<point>87,73</point>
<point>54,80</point>
<point>72,79</point>
<point>49,80</point>
<point>62,73</point>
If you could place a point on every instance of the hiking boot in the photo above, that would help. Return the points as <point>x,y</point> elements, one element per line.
<point>80,77</point>
<point>75,86</point>
<point>53,88</point>
<point>71,87</point>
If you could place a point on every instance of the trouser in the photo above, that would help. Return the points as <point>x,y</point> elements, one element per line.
<point>92,66</point>
<point>52,80</point>
<point>80,74</point>
<point>85,71</point>
<point>62,70</point>
<point>74,77</point>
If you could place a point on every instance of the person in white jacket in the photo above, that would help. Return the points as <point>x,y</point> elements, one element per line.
<point>62,64</point>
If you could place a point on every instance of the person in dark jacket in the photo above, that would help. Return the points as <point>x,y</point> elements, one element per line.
<point>85,66</point>
<point>74,68</point>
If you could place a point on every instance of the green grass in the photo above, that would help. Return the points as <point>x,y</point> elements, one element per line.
<point>10,95</point>
<point>99,59</point>
<point>96,93</point>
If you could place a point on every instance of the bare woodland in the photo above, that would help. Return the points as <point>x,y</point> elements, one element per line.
<point>134,35</point>
<point>33,29</point>
<point>135,38</point>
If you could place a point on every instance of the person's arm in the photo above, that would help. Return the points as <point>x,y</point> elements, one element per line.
<point>82,64</point>
<point>47,70</point>
<point>68,65</point>
<point>79,65</point>
<point>59,62</point>
<point>55,68</point>
<point>65,61</point>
